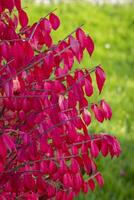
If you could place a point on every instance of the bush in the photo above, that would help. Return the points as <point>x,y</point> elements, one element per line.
<point>46,149</point>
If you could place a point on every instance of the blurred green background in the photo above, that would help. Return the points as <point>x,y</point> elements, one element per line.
<point>112,28</point>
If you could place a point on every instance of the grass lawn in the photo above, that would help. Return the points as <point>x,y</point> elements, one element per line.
<point>112,28</point>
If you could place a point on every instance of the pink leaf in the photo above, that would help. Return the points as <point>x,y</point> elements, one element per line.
<point>100,78</point>
<point>86,116</point>
<point>75,47</point>
<point>50,191</point>
<point>67,180</point>
<point>94,149</point>
<point>99,179</point>
<point>98,113</point>
<point>88,87</point>
<point>45,24</point>
<point>54,20</point>
<point>26,105</point>
<point>41,184</point>
<point>104,148</point>
<point>9,4</point>
<point>9,88</point>
<point>68,58</point>
<point>89,45</point>
<point>87,164</point>
<point>85,187</point>
<point>63,104</point>
<point>2,148</point>
<point>74,166</point>
<point>18,4</point>
<point>79,74</point>
<point>8,142</point>
<point>81,37</point>
<point>77,180</point>
<point>62,167</point>
<point>23,18</point>
<point>29,181</point>
<point>91,184</point>
<point>107,110</point>
<point>113,144</point>
<point>52,167</point>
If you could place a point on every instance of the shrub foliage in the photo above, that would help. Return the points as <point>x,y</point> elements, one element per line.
<point>46,149</point>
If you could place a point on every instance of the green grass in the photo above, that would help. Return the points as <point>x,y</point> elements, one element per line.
<point>112,27</point>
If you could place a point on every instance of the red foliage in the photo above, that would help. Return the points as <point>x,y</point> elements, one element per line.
<point>45,146</point>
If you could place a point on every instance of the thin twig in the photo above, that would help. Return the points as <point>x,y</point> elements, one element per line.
<point>73,32</point>
<point>14,40</point>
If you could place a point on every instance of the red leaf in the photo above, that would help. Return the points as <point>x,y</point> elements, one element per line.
<point>54,20</point>
<point>45,24</point>
<point>88,87</point>
<point>79,75</point>
<point>104,148</point>
<point>74,166</point>
<point>9,4</point>
<point>77,179</point>
<point>100,78</point>
<point>87,164</point>
<point>81,37</point>
<point>48,40</point>
<point>3,150</point>
<point>99,179</point>
<point>52,167</point>
<point>18,4</point>
<point>85,187</point>
<point>89,45</point>
<point>75,47</point>
<point>50,191</point>
<point>107,110</point>
<point>8,142</point>
<point>23,18</point>
<point>29,182</point>
<point>98,113</point>
<point>91,184</point>
<point>94,149</point>
<point>68,58</point>
<point>26,105</point>
<point>9,88</point>
<point>67,180</point>
<point>114,145</point>
<point>86,116</point>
